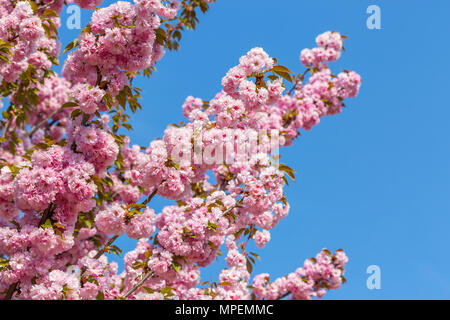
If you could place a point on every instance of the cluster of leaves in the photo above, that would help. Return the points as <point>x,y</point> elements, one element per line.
<point>85,220</point>
<point>169,35</point>
<point>49,26</point>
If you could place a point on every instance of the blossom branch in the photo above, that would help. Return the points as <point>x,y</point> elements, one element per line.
<point>139,284</point>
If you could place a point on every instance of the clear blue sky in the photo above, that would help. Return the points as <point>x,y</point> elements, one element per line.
<point>374,180</point>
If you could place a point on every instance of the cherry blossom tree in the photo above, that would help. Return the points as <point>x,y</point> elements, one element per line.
<point>71,182</point>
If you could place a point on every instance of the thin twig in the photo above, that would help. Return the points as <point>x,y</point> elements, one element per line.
<point>284,295</point>
<point>301,79</point>
<point>33,130</point>
<point>48,5</point>
<point>8,124</point>
<point>150,197</point>
<point>105,247</point>
<point>46,214</point>
<point>12,288</point>
<point>101,252</point>
<point>138,285</point>
<point>237,204</point>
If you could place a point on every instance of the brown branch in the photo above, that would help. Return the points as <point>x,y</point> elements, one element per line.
<point>301,78</point>
<point>150,197</point>
<point>8,124</point>
<point>12,288</point>
<point>284,295</point>
<point>46,214</point>
<point>48,5</point>
<point>138,285</point>
<point>237,204</point>
<point>105,247</point>
<point>101,252</point>
<point>33,130</point>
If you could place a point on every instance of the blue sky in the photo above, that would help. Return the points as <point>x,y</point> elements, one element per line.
<point>374,180</point>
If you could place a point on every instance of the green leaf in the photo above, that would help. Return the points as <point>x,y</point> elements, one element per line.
<point>255,255</point>
<point>176,265</point>
<point>288,170</point>
<point>47,224</point>
<point>49,13</point>
<point>284,75</point>
<point>148,254</point>
<point>70,46</point>
<point>212,226</point>
<point>225,283</point>
<point>249,266</point>
<point>282,69</point>
<point>2,57</point>
<point>33,6</point>
<point>148,290</point>
<point>70,104</point>
<point>166,290</point>
<point>161,36</point>
<point>52,26</point>
<point>16,224</point>
<point>75,113</point>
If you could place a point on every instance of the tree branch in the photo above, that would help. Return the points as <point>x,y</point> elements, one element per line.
<point>101,252</point>
<point>302,77</point>
<point>150,197</point>
<point>46,214</point>
<point>237,204</point>
<point>284,295</point>
<point>12,288</point>
<point>138,285</point>
<point>8,124</point>
<point>33,130</point>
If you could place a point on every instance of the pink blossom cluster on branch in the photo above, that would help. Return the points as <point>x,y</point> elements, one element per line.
<point>70,183</point>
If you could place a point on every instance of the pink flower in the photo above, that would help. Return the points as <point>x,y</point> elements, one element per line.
<point>111,220</point>
<point>261,238</point>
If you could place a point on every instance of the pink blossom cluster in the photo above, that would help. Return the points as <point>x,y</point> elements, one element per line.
<point>197,230</point>
<point>329,48</point>
<point>20,27</point>
<point>94,143</point>
<point>29,44</point>
<point>87,4</point>
<point>114,220</point>
<point>236,276</point>
<point>121,38</point>
<point>56,176</point>
<point>53,92</point>
<point>88,97</point>
<point>318,275</point>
